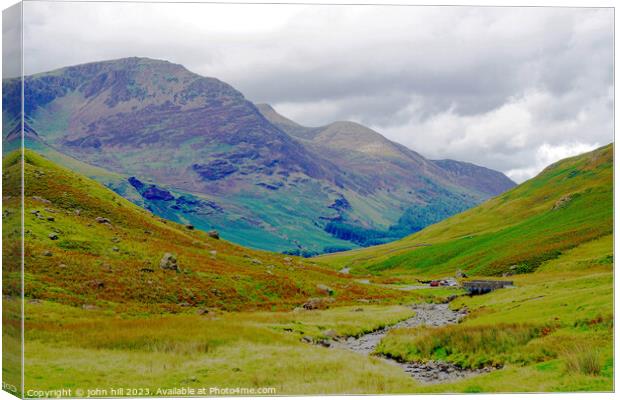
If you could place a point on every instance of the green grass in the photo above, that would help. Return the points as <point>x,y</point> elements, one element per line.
<point>522,228</point>
<point>66,347</point>
<point>468,346</point>
<point>584,360</point>
<point>552,332</point>
<point>550,326</point>
<point>116,265</point>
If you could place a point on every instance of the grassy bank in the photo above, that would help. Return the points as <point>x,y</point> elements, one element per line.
<point>552,332</point>
<point>72,348</point>
<point>101,313</point>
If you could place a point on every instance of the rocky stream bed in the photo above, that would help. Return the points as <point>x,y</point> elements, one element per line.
<point>432,315</point>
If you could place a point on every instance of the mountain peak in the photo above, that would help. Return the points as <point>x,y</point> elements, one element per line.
<point>197,136</point>
<point>125,63</point>
<point>272,115</point>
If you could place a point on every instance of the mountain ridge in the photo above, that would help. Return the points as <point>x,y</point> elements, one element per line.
<point>89,247</point>
<point>347,135</point>
<point>570,203</point>
<point>200,139</point>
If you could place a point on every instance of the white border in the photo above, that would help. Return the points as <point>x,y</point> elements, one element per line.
<point>486,3</point>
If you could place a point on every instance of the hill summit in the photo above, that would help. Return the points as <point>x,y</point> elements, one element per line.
<point>210,158</point>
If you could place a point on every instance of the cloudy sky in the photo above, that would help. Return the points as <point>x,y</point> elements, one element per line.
<point>512,89</point>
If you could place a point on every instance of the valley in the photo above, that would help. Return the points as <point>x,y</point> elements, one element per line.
<point>218,199</point>
<point>103,293</point>
<point>215,160</point>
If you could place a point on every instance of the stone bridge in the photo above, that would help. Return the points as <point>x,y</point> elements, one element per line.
<point>482,287</point>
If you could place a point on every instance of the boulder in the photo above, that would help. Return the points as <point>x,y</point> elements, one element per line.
<point>315,303</point>
<point>47,253</point>
<point>189,227</point>
<point>96,284</point>
<point>330,333</point>
<point>460,274</point>
<point>562,202</point>
<point>214,234</point>
<point>41,199</point>
<point>107,267</point>
<point>169,262</point>
<point>324,289</point>
<point>102,220</point>
<point>53,236</point>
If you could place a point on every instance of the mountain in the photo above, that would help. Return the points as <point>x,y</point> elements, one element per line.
<point>86,246</point>
<point>567,207</point>
<point>193,150</point>
<point>353,146</point>
<point>480,178</point>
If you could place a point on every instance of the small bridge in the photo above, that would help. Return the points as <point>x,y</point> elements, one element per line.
<point>482,287</point>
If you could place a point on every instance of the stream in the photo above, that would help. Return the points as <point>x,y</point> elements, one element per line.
<point>432,315</point>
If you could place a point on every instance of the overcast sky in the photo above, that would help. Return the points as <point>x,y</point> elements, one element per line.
<point>512,89</point>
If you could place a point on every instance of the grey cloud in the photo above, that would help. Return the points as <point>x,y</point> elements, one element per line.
<point>11,42</point>
<point>488,85</point>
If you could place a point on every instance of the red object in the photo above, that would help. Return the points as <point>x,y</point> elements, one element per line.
<point>434,283</point>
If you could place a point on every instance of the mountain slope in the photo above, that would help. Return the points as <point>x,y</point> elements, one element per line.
<point>355,147</point>
<point>480,178</point>
<point>567,205</point>
<point>193,150</point>
<point>87,246</point>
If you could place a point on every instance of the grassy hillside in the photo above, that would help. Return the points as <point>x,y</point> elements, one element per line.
<point>99,309</point>
<point>568,204</point>
<point>88,247</point>
<point>554,330</point>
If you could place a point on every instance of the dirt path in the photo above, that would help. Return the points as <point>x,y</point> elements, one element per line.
<point>426,314</point>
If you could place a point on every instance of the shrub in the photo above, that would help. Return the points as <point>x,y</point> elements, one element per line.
<point>465,346</point>
<point>586,360</point>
